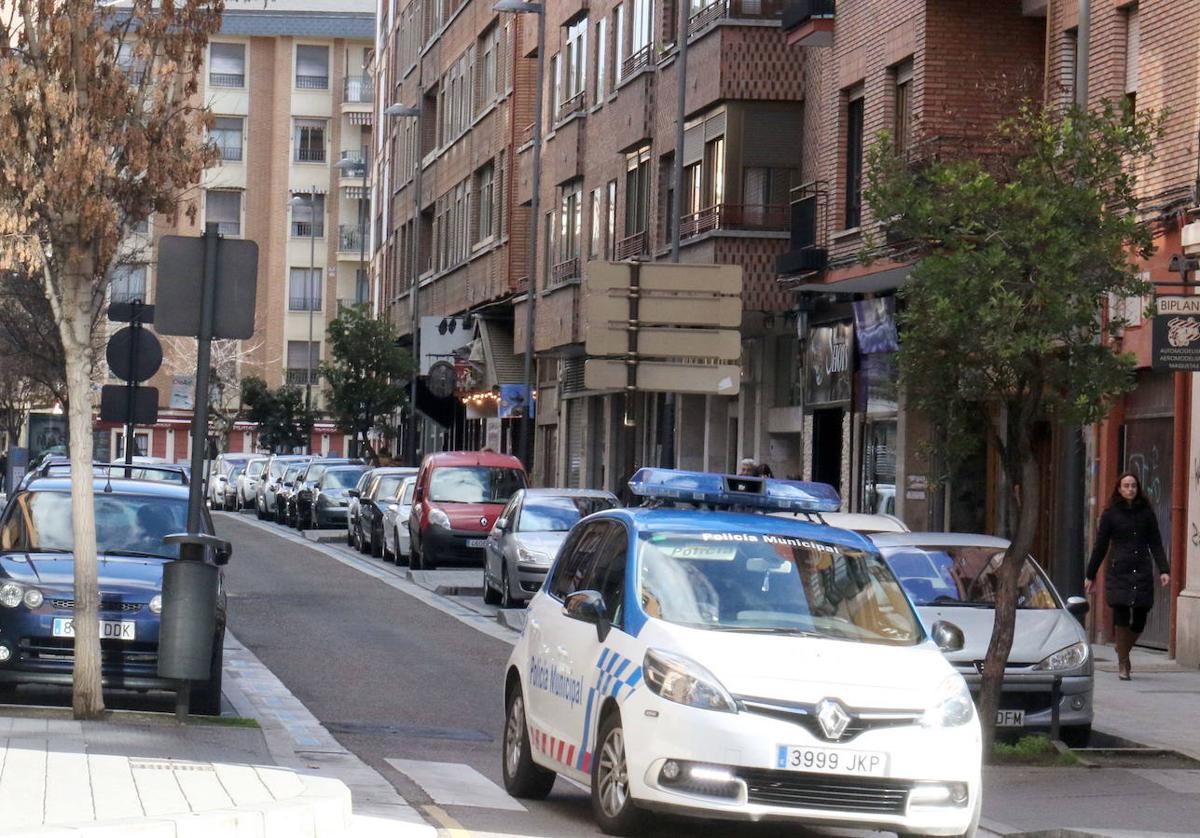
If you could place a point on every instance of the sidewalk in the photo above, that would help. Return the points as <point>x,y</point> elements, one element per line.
<point>142,774</point>
<point>1159,708</point>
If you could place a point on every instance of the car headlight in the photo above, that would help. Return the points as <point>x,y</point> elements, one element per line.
<point>1072,657</point>
<point>439,518</point>
<point>952,705</point>
<point>11,594</point>
<point>527,556</point>
<point>156,604</point>
<point>33,598</point>
<point>684,681</point>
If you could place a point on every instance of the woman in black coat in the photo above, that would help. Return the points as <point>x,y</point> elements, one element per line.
<point>1130,526</point>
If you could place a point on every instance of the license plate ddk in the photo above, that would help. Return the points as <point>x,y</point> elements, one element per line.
<point>832,760</point>
<point>109,629</point>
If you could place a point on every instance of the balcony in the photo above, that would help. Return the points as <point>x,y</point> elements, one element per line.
<point>635,62</point>
<point>345,305</point>
<point>230,153</point>
<point>576,104</point>
<point>310,155</point>
<point>735,10</point>
<point>312,82</point>
<point>304,303</point>
<point>807,252</point>
<point>564,271</point>
<point>226,80</point>
<point>355,169</point>
<point>351,239</point>
<point>229,228</point>
<point>307,229</point>
<point>631,247</point>
<point>809,23</point>
<point>359,90</point>
<point>298,378</point>
<point>734,217</point>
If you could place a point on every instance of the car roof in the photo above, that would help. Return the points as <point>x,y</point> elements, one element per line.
<point>569,493</point>
<point>473,458</point>
<point>386,470</point>
<point>345,467</point>
<point>938,539</point>
<point>690,520</point>
<point>119,486</point>
<point>862,522</point>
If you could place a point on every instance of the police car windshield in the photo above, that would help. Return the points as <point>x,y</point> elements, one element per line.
<point>773,584</point>
<point>963,576</point>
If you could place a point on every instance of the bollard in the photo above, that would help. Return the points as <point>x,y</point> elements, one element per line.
<point>1055,701</point>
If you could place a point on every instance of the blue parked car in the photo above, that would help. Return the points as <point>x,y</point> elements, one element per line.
<point>37,568</point>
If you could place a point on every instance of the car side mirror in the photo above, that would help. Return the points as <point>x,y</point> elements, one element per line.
<point>588,607</point>
<point>947,636</point>
<point>353,493</point>
<point>222,554</point>
<point>1079,606</point>
<point>501,524</point>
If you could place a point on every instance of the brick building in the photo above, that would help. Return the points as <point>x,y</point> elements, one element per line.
<point>291,92</point>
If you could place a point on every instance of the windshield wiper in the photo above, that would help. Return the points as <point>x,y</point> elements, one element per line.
<point>790,632</point>
<point>133,554</point>
<point>949,600</point>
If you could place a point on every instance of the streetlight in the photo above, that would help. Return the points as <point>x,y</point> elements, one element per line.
<point>520,7</point>
<point>311,201</point>
<point>398,110</point>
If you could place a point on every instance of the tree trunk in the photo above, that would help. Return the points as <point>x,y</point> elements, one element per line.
<point>87,699</point>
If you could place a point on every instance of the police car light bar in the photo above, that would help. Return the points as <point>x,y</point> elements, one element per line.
<point>734,490</point>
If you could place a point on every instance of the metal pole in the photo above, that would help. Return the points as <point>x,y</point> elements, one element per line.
<point>208,299</point>
<point>527,421</point>
<point>364,216</point>
<point>135,328</point>
<point>415,289</point>
<point>312,269</point>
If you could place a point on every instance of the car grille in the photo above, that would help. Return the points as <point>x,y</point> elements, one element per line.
<point>1030,702</point>
<point>123,652</point>
<point>110,605</point>
<point>825,793</point>
<point>805,715</point>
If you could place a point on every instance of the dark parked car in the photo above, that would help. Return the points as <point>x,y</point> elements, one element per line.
<point>301,498</point>
<point>37,595</point>
<point>380,490</point>
<point>331,495</point>
<point>352,507</point>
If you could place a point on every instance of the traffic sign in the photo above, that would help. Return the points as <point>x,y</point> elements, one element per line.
<point>128,312</point>
<point>114,404</point>
<point>134,363</point>
<point>180,279</point>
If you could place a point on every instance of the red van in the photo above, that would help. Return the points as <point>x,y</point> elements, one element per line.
<point>458,497</point>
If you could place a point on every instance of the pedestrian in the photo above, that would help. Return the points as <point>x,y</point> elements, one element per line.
<point>764,470</point>
<point>748,467</point>
<point>1130,527</point>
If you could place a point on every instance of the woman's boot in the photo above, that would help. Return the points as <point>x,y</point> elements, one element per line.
<point>1130,643</point>
<point>1123,644</point>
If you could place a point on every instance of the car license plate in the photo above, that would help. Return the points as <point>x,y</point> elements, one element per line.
<point>832,760</point>
<point>479,543</point>
<point>1010,718</point>
<point>109,629</point>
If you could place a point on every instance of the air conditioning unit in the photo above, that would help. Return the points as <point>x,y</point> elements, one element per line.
<point>1190,238</point>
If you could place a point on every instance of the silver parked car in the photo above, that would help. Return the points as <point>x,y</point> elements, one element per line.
<point>526,537</point>
<point>396,539</point>
<point>354,505</point>
<point>265,503</point>
<point>952,576</point>
<point>247,482</point>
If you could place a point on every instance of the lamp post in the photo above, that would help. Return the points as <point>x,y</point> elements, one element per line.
<point>398,110</point>
<point>525,444</point>
<point>298,201</point>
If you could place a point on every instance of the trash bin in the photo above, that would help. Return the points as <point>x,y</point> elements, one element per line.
<point>189,620</point>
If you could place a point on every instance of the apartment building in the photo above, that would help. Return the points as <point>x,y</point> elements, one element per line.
<point>291,89</point>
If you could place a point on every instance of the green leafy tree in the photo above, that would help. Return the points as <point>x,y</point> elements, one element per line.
<point>1002,318</point>
<point>365,377</point>
<point>283,423</point>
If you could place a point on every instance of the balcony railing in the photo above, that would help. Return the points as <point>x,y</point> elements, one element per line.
<point>564,271</point>
<point>346,305</point>
<point>359,90</point>
<point>636,61</point>
<point>306,229</point>
<point>574,105</point>
<point>631,247</point>
<point>527,134</point>
<point>735,217</point>
<point>304,303</point>
<point>736,9</point>
<point>351,238</point>
<point>355,165</point>
<point>298,378</point>
<point>227,79</point>
<point>230,152</point>
<point>229,228</point>
<point>312,82</point>
<point>310,155</point>
<point>807,251</point>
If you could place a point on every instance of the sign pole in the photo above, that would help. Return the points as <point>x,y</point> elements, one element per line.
<point>208,296</point>
<point>135,308</point>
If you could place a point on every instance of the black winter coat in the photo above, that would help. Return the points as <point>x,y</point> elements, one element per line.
<point>1137,547</point>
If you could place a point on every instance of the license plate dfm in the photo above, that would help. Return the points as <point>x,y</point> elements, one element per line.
<point>1010,718</point>
<point>109,629</point>
<point>832,760</point>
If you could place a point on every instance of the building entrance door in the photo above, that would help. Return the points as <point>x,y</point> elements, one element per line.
<point>827,446</point>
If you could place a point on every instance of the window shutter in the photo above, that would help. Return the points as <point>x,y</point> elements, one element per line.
<point>1132,33</point>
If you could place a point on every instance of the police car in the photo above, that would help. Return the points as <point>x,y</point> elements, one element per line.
<point>691,656</point>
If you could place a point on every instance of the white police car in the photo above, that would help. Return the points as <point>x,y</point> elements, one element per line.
<point>728,664</point>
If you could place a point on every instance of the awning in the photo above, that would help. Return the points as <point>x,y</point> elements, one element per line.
<point>874,283</point>
<point>500,364</point>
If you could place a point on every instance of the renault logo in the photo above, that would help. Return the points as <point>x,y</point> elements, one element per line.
<point>483,520</point>
<point>833,718</point>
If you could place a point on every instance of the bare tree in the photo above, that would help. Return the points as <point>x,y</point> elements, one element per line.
<point>225,377</point>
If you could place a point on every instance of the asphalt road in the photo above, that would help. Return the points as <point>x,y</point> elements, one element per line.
<point>393,678</point>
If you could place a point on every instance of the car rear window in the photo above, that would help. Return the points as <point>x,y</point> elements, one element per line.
<point>474,484</point>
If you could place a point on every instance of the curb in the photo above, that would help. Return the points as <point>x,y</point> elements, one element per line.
<point>326,536</point>
<point>321,811</point>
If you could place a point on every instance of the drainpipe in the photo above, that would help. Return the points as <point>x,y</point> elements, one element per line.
<point>1179,489</point>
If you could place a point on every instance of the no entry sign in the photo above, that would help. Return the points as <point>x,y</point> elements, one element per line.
<point>1176,333</point>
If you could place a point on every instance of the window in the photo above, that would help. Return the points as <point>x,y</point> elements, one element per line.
<point>854,151</point>
<point>693,185</point>
<point>304,289</point>
<point>610,227</point>
<point>619,29</point>
<point>1132,36</point>
<point>226,135</point>
<point>487,78</point>
<point>640,26</point>
<point>570,231</point>
<point>556,83</point>
<point>714,172</point>
<point>303,358</point>
<point>308,216</point>
<point>451,230</point>
<point>764,188</point>
<point>227,65</point>
<point>127,283</point>
<point>485,188</point>
<point>1070,64</point>
<point>312,67</point>
<point>607,572</point>
<point>577,556</point>
<point>575,64</point>
<point>362,286</point>
<point>224,207</point>
<point>309,140</point>
<point>601,59</point>
<point>633,37</point>
<point>637,191</point>
<point>902,118</point>
<point>597,221</point>
<point>454,97</point>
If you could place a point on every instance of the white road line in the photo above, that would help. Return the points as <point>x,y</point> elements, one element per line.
<point>455,784</point>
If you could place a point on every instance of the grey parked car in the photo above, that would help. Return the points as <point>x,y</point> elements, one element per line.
<point>396,538</point>
<point>265,502</point>
<point>526,537</point>
<point>952,576</point>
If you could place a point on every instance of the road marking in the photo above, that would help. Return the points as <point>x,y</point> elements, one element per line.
<point>1180,781</point>
<point>455,784</point>
<point>453,828</point>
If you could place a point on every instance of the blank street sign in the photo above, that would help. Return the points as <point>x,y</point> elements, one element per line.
<point>180,272</point>
<point>718,379</point>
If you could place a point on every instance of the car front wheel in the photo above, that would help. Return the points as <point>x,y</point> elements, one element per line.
<point>490,595</point>
<point>612,803</point>
<point>522,776</point>
<point>507,600</point>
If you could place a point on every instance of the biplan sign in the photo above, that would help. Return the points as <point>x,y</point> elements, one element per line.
<point>1176,345</point>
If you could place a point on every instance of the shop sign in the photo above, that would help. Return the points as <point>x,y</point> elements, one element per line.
<point>1176,333</point>
<point>827,369</point>
<point>875,325</point>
